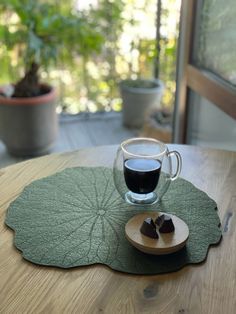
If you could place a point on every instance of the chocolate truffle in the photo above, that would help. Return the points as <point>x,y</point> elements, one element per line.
<point>165,224</point>
<point>159,220</point>
<point>148,228</point>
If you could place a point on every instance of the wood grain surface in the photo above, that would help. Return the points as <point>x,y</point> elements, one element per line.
<point>206,288</point>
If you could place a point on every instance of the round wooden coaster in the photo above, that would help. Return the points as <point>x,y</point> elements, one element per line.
<point>167,242</point>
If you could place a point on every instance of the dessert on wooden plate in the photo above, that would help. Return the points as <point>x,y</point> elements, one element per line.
<point>157,233</point>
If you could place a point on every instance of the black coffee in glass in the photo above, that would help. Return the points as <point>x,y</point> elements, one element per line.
<point>141,174</point>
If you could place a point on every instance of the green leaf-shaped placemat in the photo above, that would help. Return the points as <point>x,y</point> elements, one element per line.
<point>76,217</point>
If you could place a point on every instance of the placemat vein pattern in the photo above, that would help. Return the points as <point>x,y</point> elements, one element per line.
<point>76,217</point>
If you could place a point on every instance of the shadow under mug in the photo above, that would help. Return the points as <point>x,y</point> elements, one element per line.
<point>142,170</point>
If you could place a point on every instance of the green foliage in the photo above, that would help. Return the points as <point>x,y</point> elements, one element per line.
<point>38,32</point>
<point>82,52</point>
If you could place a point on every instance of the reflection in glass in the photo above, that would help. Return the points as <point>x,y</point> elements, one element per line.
<point>217,38</point>
<point>209,126</point>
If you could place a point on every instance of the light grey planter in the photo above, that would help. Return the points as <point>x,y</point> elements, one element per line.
<point>28,126</point>
<point>139,101</point>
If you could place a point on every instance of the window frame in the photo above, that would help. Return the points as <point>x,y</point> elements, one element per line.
<point>190,77</point>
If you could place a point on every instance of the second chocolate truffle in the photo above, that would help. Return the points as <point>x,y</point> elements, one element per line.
<point>165,224</point>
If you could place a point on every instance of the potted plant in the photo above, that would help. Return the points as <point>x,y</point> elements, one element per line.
<point>38,33</point>
<point>139,97</point>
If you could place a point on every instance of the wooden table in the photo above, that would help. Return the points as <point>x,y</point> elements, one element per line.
<point>206,288</point>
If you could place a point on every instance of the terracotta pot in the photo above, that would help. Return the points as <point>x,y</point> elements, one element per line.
<point>28,126</point>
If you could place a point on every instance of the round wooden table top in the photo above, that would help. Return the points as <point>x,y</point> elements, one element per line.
<point>206,288</point>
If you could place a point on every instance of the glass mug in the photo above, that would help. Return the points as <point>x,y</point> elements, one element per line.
<point>142,170</point>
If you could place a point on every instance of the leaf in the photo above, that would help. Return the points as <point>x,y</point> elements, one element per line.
<point>35,43</point>
<point>76,217</point>
<point>45,28</point>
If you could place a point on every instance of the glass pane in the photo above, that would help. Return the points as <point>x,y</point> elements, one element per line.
<point>217,38</point>
<point>209,126</point>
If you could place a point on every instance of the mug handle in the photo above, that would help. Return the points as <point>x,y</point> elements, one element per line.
<point>179,164</point>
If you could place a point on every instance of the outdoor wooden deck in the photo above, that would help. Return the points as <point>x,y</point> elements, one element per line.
<point>83,130</point>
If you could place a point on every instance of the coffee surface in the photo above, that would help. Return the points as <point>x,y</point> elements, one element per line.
<point>142,175</point>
